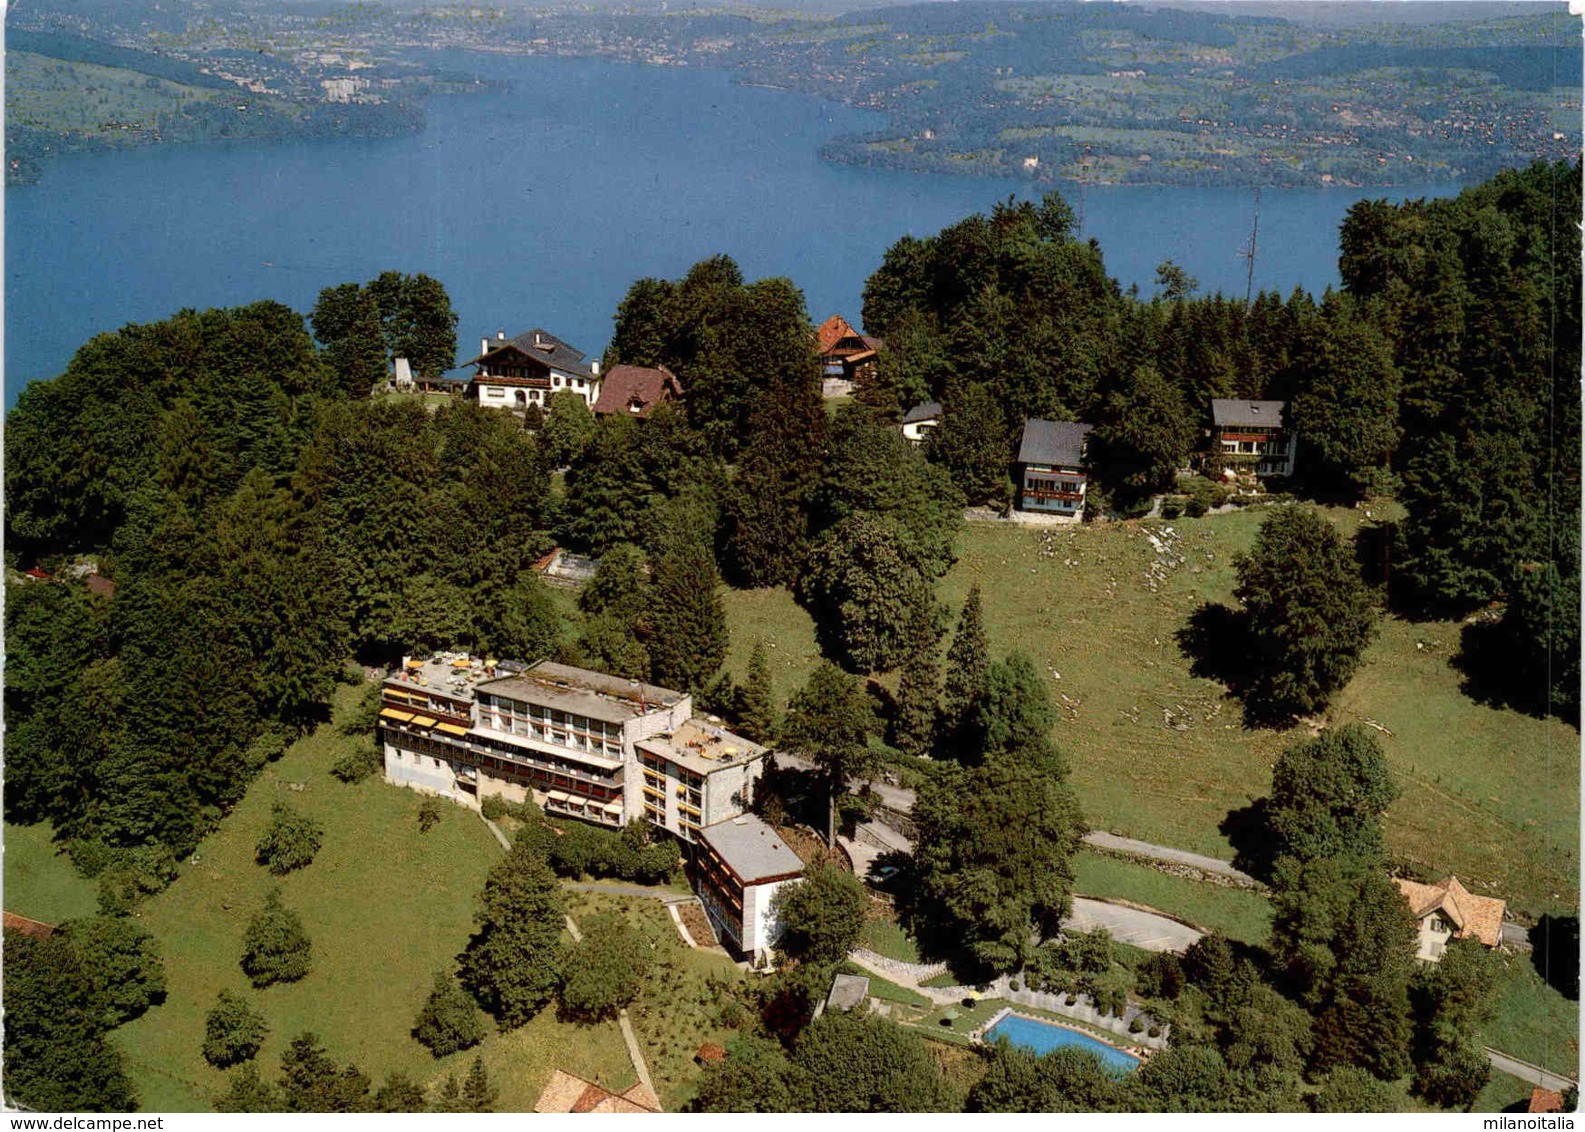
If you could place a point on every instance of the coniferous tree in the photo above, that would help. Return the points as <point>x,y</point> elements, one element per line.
<point>569,428</point>
<point>233,1031</point>
<point>248,1092</point>
<point>968,665</point>
<point>1310,613</point>
<point>398,1094</point>
<point>687,637</point>
<point>767,505</point>
<point>289,841</point>
<point>275,948</point>
<point>973,444</point>
<point>123,966</point>
<point>829,720</point>
<point>311,1081</point>
<point>756,710</point>
<point>510,965</point>
<point>918,688</point>
<point>449,1020</point>
<point>478,1095</point>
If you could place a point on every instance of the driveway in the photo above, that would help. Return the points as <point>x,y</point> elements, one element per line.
<point>1146,930</point>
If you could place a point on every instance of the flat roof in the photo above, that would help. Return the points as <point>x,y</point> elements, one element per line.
<point>583,692</point>
<point>752,849</point>
<point>452,674</point>
<point>702,747</point>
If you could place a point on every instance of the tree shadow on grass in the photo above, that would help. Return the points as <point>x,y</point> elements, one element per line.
<point>1220,646</point>
<point>1488,660</point>
<point>1554,943</point>
<point>1248,831</point>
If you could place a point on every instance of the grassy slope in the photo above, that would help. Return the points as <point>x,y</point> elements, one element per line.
<point>1236,913</point>
<point>385,908</point>
<point>677,1010</point>
<point>1533,1021</point>
<point>91,99</point>
<point>41,883</point>
<point>1489,793</point>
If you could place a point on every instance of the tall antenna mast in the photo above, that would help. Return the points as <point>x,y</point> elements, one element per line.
<point>1249,253</point>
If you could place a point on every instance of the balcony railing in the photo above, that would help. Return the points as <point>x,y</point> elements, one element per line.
<point>447,748</point>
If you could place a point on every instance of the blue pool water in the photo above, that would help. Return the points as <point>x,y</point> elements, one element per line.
<point>1043,1037</point>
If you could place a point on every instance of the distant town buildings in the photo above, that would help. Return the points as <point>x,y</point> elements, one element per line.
<point>581,744</point>
<point>514,373</point>
<point>1051,473</point>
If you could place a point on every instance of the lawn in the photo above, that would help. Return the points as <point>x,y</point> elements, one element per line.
<point>1235,912</point>
<point>1162,755</point>
<point>385,907</point>
<point>40,882</point>
<point>680,1006</point>
<point>1534,1022</point>
<point>887,937</point>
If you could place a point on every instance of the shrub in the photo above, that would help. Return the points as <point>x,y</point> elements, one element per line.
<point>275,948</point>
<point>233,1031</point>
<point>1155,1031</point>
<point>289,841</point>
<point>1171,508</point>
<point>428,814</point>
<point>1071,1000</point>
<point>1196,507</point>
<point>605,971</point>
<point>121,964</point>
<point>358,764</point>
<point>448,1021</point>
<point>1014,984</point>
<point>1136,1026</point>
<point>494,807</point>
<point>968,1004</point>
<point>585,850</point>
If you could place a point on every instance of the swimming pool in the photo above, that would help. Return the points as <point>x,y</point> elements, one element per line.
<point>1043,1037</point>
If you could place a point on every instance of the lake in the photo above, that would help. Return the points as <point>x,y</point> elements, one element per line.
<point>538,206</point>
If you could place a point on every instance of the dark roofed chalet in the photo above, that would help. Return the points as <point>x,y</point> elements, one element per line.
<point>536,349</point>
<point>929,411</point>
<point>1057,444</point>
<point>1232,413</point>
<point>635,390</point>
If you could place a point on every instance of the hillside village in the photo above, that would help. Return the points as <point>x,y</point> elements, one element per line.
<point>1044,699</point>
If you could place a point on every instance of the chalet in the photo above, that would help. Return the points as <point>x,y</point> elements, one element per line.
<point>1051,469</point>
<point>1447,911</point>
<point>1248,437</point>
<point>919,420</point>
<point>846,355</point>
<point>580,744</point>
<point>739,866</point>
<point>635,390</point>
<point>514,373</point>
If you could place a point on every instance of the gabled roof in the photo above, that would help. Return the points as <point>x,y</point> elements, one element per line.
<point>1472,917</point>
<point>544,347</point>
<point>625,387</point>
<point>565,1092</point>
<point>1545,1100</point>
<point>1226,413</point>
<point>929,411</point>
<point>1059,443</point>
<point>832,331</point>
<point>35,928</point>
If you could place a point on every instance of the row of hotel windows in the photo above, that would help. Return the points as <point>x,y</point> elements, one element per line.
<point>565,770</point>
<point>538,779</point>
<point>551,726</point>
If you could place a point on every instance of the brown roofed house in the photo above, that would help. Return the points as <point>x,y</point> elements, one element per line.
<point>1545,1100</point>
<point>845,354</point>
<point>1448,910</point>
<point>636,390</point>
<point>38,929</point>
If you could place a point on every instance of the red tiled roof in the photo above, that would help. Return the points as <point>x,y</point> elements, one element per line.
<point>636,389</point>
<point>711,1052</point>
<point>35,928</point>
<point>1545,1100</point>
<point>832,331</point>
<point>1473,917</point>
<point>35,572</point>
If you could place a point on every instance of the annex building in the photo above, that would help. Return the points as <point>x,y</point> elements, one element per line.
<point>581,744</point>
<point>739,866</point>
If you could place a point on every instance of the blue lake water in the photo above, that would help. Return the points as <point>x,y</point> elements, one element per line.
<point>1043,1037</point>
<point>538,206</point>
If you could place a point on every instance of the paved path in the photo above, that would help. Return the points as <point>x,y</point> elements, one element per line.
<point>1148,930</point>
<point>1110,841</point>
<point>633,1050</point>
<point>1527,1072</point>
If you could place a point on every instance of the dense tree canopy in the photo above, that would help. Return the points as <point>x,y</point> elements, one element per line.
<point>511,964</point>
